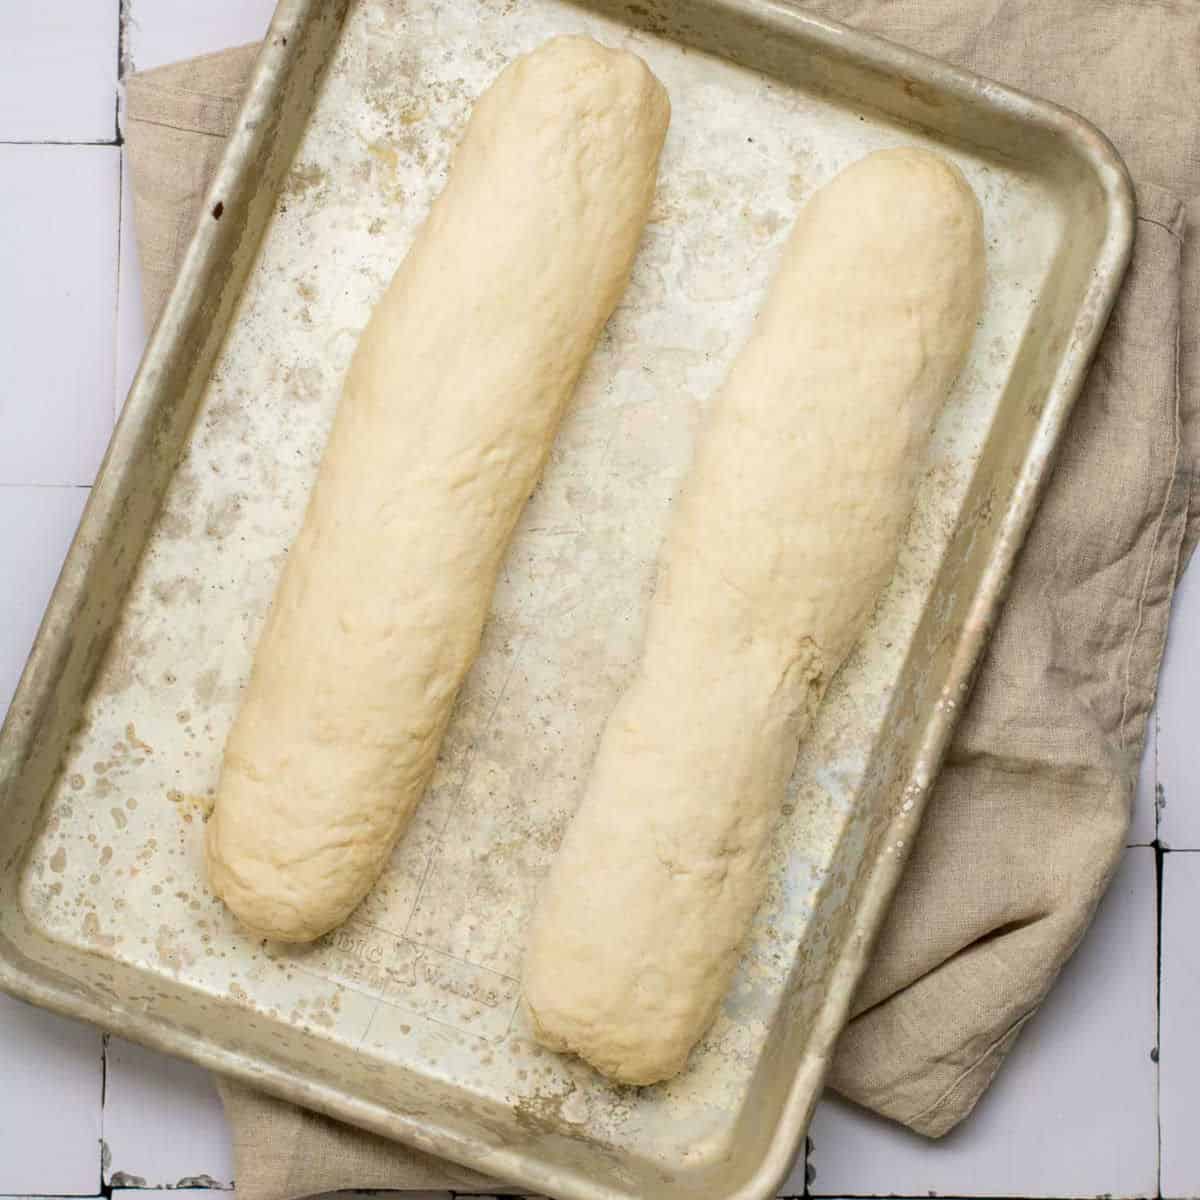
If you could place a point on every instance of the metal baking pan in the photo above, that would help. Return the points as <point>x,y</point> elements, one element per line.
<point>406,1020</point>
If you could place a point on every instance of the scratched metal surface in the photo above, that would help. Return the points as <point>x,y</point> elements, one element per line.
<point>407,1018</point>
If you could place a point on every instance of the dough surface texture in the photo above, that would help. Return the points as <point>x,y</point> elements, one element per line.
<point>445,420</point>
<point>785,534</point>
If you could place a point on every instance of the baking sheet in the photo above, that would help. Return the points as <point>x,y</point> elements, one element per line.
<point>406,1019</point>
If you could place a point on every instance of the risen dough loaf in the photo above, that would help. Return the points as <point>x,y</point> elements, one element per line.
<point>786,532</point>
<point>444,423</point>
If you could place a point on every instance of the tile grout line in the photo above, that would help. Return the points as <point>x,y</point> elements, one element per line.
<point>103,1147</point>
<point>48,487</point>
<point>118,401</point>
<point>122,50</point>
<point>120,74</point>
<point>123,53</point>
<point>105,1190</point>
<point>1159,867</point>
<point>1160,863</point>
<point>58,142</point>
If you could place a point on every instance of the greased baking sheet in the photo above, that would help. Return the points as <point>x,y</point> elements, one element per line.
<point>406,1020</point>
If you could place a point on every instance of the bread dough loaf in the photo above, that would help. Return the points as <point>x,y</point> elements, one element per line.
<point>446,416</point>
<point>786,533</point>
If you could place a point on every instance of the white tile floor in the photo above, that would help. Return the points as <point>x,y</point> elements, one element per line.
<point>1081,1109</point>
<point>163,1121</point>
<point>50,1114</point>
<point>58,71</point>
<point>58,258</point>
<point>1179,1063</point>
<point>36,527</point>
<point>163,31</point>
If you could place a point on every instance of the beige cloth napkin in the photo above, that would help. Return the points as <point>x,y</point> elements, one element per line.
<point>1031,811</point>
